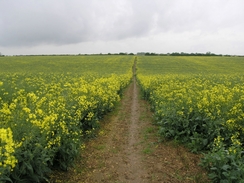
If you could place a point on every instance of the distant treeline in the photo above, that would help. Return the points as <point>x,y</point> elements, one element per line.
<point>121,53</point>
<point>139,53</point>
<point>184,54</point>
<point>168,54</point>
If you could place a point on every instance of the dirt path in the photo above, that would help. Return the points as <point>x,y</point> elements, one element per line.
<point>128,150</point>
<point>120,153</point>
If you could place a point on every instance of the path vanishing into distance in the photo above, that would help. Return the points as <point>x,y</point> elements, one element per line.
<point>127,149</point>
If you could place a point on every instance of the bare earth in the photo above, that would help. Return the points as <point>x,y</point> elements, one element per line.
<point>128,150</point>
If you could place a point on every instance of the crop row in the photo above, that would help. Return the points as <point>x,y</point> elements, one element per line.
<point>44,119</point>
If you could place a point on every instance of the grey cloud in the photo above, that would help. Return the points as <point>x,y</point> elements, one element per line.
<point>29,23</point>
<point>43,22</point>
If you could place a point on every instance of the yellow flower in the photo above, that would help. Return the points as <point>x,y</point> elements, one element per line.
<point>7,149</point>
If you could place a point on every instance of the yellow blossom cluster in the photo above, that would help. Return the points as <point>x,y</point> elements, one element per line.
<point>7,149</point>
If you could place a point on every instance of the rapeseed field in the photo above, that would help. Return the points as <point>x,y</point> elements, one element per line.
<point>49,105</point>
<point>199,101</point>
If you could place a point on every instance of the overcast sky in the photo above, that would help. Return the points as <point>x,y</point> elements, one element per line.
<point>112,26</point>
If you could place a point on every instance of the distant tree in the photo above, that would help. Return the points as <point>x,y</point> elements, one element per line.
<point>210,54</point>
<point>121,53</point>
<point>175,54</point>
<point>150,54</point>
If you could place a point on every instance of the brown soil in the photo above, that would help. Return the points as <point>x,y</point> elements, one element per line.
<point>128,150</point>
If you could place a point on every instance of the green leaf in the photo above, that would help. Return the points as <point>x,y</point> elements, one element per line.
<point>225,167</point>
<point>5,178</point>
<point>29,168</point>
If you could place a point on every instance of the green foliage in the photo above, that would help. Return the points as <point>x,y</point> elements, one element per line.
<point>33,160</point>
<point>225,164</point>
